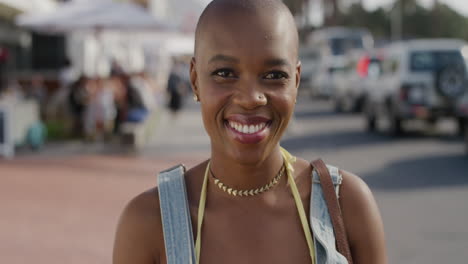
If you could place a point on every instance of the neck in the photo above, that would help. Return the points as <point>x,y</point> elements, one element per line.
<point>246,175</point>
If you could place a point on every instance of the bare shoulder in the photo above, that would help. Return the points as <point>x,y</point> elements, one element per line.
<point>354,191</point>
<point>139,237</point>
<point>362,220</point>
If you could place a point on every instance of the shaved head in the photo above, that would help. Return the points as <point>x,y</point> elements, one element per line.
<point>220,10</point>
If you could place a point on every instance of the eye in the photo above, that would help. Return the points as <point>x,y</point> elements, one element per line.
<point>276,75</point>
<point>223,73</point>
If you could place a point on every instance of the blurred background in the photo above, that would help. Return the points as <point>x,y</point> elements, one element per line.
<point>95,100</point>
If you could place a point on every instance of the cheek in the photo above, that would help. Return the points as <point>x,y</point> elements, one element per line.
<point>209,117</point>
<point>284,102</point>
<point>284,105</point>
<point>213,100</point>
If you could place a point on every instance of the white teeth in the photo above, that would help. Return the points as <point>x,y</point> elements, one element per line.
<point>247,129</point>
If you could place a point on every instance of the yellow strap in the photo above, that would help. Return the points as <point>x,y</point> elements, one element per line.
<point>288,160</point>
<point>201,212</point>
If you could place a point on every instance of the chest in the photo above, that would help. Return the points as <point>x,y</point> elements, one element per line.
<point>253,235</point>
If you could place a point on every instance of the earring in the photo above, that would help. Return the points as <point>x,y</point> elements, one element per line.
<point>195,98</point>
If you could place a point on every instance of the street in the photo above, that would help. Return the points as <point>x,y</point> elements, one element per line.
<point>62,205</point>
<point>420,181</point>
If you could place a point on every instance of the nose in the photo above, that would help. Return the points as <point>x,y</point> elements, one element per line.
<point>250,97</point>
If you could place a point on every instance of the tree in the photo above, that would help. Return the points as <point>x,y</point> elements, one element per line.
<point>377,21</point>
<point>418,22</point>
<point>332,12</point>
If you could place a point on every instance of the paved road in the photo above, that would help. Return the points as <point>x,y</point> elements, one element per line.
<point>62,205</point>
<point>420,181</point>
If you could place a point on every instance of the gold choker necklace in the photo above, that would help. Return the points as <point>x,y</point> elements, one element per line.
<point>252,192</point>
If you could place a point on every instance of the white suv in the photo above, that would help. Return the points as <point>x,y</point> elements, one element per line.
<point>420,79</point>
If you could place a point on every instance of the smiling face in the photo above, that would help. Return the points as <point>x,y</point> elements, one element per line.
<point>246,74</point>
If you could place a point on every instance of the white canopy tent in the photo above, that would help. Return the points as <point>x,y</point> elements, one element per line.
<point>30,5</point>
<point>43,21</point>
<point>119,16</point>
<point>90,15</point>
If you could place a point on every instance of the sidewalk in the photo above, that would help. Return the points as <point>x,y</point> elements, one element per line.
<point>182,133</point>
<point>61,205</point>
<point>65,210</point>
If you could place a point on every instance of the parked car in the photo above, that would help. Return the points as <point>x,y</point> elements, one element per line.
<point>324,80</point>
<point>351,86</point>
<point>420,80</point>
<point>332,45</point>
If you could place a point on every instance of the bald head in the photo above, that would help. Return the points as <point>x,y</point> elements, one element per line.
<point>262,13</point>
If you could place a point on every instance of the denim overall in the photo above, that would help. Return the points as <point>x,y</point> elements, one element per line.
<point>177,227</point>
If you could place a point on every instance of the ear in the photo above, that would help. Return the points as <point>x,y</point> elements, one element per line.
<point>194,76</point>
<point>298,74</point>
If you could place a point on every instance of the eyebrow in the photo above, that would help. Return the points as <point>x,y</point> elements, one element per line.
<point>269,62</point>
<point>277,62</point>
<point>223,58</point>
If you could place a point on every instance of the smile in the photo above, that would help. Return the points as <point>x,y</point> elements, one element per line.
<point>247,129</point>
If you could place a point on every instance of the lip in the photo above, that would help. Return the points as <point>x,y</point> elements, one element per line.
<point>243,138</point>
<point>248,119</point>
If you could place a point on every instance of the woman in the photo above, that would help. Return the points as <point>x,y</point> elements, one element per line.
<point>247,203</point>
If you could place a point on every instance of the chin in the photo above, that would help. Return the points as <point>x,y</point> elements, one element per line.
<point>251,155</point>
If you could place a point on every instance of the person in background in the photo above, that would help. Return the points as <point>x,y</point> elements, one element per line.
<point>92,109</point>
<point>67,74</point>
<point>130,103</point>
<point>38,92</point>
<point>78,100</point>
<point>120,100</point>
<point>175,89</point>
<point>106,110</point>
<point>143,87</point>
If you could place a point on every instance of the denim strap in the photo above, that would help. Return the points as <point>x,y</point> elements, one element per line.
<point>322,227</point>
<point>177,226</point>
